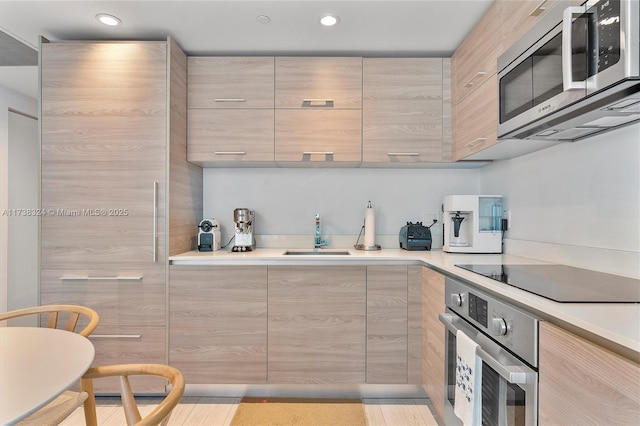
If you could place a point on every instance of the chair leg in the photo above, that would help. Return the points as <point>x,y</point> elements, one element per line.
<point>90,416</point>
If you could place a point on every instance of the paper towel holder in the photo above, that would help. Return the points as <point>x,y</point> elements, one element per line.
<point>362,246</point>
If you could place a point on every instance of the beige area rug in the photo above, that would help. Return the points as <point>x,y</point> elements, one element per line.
<point>299,411</point>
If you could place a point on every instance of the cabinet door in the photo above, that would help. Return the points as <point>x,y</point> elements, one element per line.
<point>223,135</point>
<point>475,122</point>
<point>402,110</point>
<point>104,121</point>
<point>475,61</point>
<point>218,323</point>
<point>318,135</point>
<point>312,82</point>
<point>433,357</point>
<point>583,383</point>
<point>231,82</point>
<point>387,340</point>
<point>317,324</point>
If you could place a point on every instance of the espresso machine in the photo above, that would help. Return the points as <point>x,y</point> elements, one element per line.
<point>243,237</point>
<point>472,223</point>
<point>208,235</point>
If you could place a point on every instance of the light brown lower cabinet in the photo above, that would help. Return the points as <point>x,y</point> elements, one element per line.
<point>317,324</point>
<point>433,335</point>
<point>218,323</point>
<point>393,324</point>
<point>582,383</point>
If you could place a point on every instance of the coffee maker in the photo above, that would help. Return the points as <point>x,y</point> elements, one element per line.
<point>244,239</point>
<point>208,235</point>
<point>472,223</point>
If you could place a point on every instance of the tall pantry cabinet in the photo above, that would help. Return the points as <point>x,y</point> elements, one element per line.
<point>118,196</point>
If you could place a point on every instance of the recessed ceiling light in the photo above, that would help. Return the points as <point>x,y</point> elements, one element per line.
<point>263,19</point>
<point>107,19</point>
<point>329,20</point>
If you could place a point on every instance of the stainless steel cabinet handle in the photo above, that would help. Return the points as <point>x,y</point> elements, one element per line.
<point>87,278</point>
<point>538,9</point>
<point>476,75</point>
<point>567,61</point>
<point>511,373</point>
<point>323,103</point>
<point>404,154</point>
<point>317,153</point>
<point>230,100</point>
<point>475,142</point>
<point>115,336</point>
<point>230,153</point>
<point>155,222</point>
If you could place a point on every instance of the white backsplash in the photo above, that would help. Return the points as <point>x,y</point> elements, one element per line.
<point>576,203</point>
<point>286,200</point>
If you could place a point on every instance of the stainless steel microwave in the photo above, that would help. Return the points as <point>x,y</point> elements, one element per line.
<point>575,74</point>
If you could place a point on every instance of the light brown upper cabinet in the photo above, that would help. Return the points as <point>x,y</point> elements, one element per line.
<point>318,116</point>
<point>230,82</point>
<point>475,61</point>
<point>319,82</point>
<point>231,116</point>
<point>405,110</point>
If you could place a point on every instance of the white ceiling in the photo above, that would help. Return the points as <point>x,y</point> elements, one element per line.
<point>210,27</point>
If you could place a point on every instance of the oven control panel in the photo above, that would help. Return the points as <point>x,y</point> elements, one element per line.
<point>508,325</point>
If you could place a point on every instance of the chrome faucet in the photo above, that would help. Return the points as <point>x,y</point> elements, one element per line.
<point>319,242</point>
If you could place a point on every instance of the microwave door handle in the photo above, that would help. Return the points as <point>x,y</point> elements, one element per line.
<point>567,61</point>
<point>511,373</point>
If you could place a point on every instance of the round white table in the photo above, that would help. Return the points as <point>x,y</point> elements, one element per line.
<point>37,365</point>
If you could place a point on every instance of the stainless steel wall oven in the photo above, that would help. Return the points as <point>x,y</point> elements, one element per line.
<point>508,347</point>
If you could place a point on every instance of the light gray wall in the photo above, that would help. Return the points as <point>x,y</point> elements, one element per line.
<point>8,99</point>
<point>585,193</point>
<point>286,199</point>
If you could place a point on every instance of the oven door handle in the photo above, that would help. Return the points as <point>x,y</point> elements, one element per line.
<point>511,373</point>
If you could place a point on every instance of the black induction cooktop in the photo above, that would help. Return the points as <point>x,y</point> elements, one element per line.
<point>563,284</point>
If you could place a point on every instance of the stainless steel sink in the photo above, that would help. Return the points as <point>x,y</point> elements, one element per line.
<point>319,252</point>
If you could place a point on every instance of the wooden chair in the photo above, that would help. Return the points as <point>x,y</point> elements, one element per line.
<point>65,404</point>
<point>159,416</point>
<point>54,311</point>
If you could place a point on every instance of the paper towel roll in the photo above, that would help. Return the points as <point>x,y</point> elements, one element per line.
<point>369,226</point>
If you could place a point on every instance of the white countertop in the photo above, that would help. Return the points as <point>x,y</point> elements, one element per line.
<point>613,325</point>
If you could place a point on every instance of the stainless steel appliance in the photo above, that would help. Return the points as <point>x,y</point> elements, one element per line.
<point>562,283</point>
<point>508,347</point>
<point>208,235</point>
<point>575,74</point>
<point>472,223</point>
<point>244,239</point>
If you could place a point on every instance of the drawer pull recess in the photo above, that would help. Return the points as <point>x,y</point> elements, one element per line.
<point>317,103</point>
<point>230,153</point>
<point>476,75</point>
<point>476,141</point>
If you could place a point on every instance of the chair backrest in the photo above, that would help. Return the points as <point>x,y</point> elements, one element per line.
<point>159,416</point>
<point>74,312</point>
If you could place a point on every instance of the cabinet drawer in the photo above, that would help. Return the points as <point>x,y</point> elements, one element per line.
<point>125,301</point>
<point>475,122</point>
<point>475,61</point>
<point>318,136</point>
<point>223,135</point>
<point>304,82</point>
<point>230,82</point>
<point>129,344</point>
